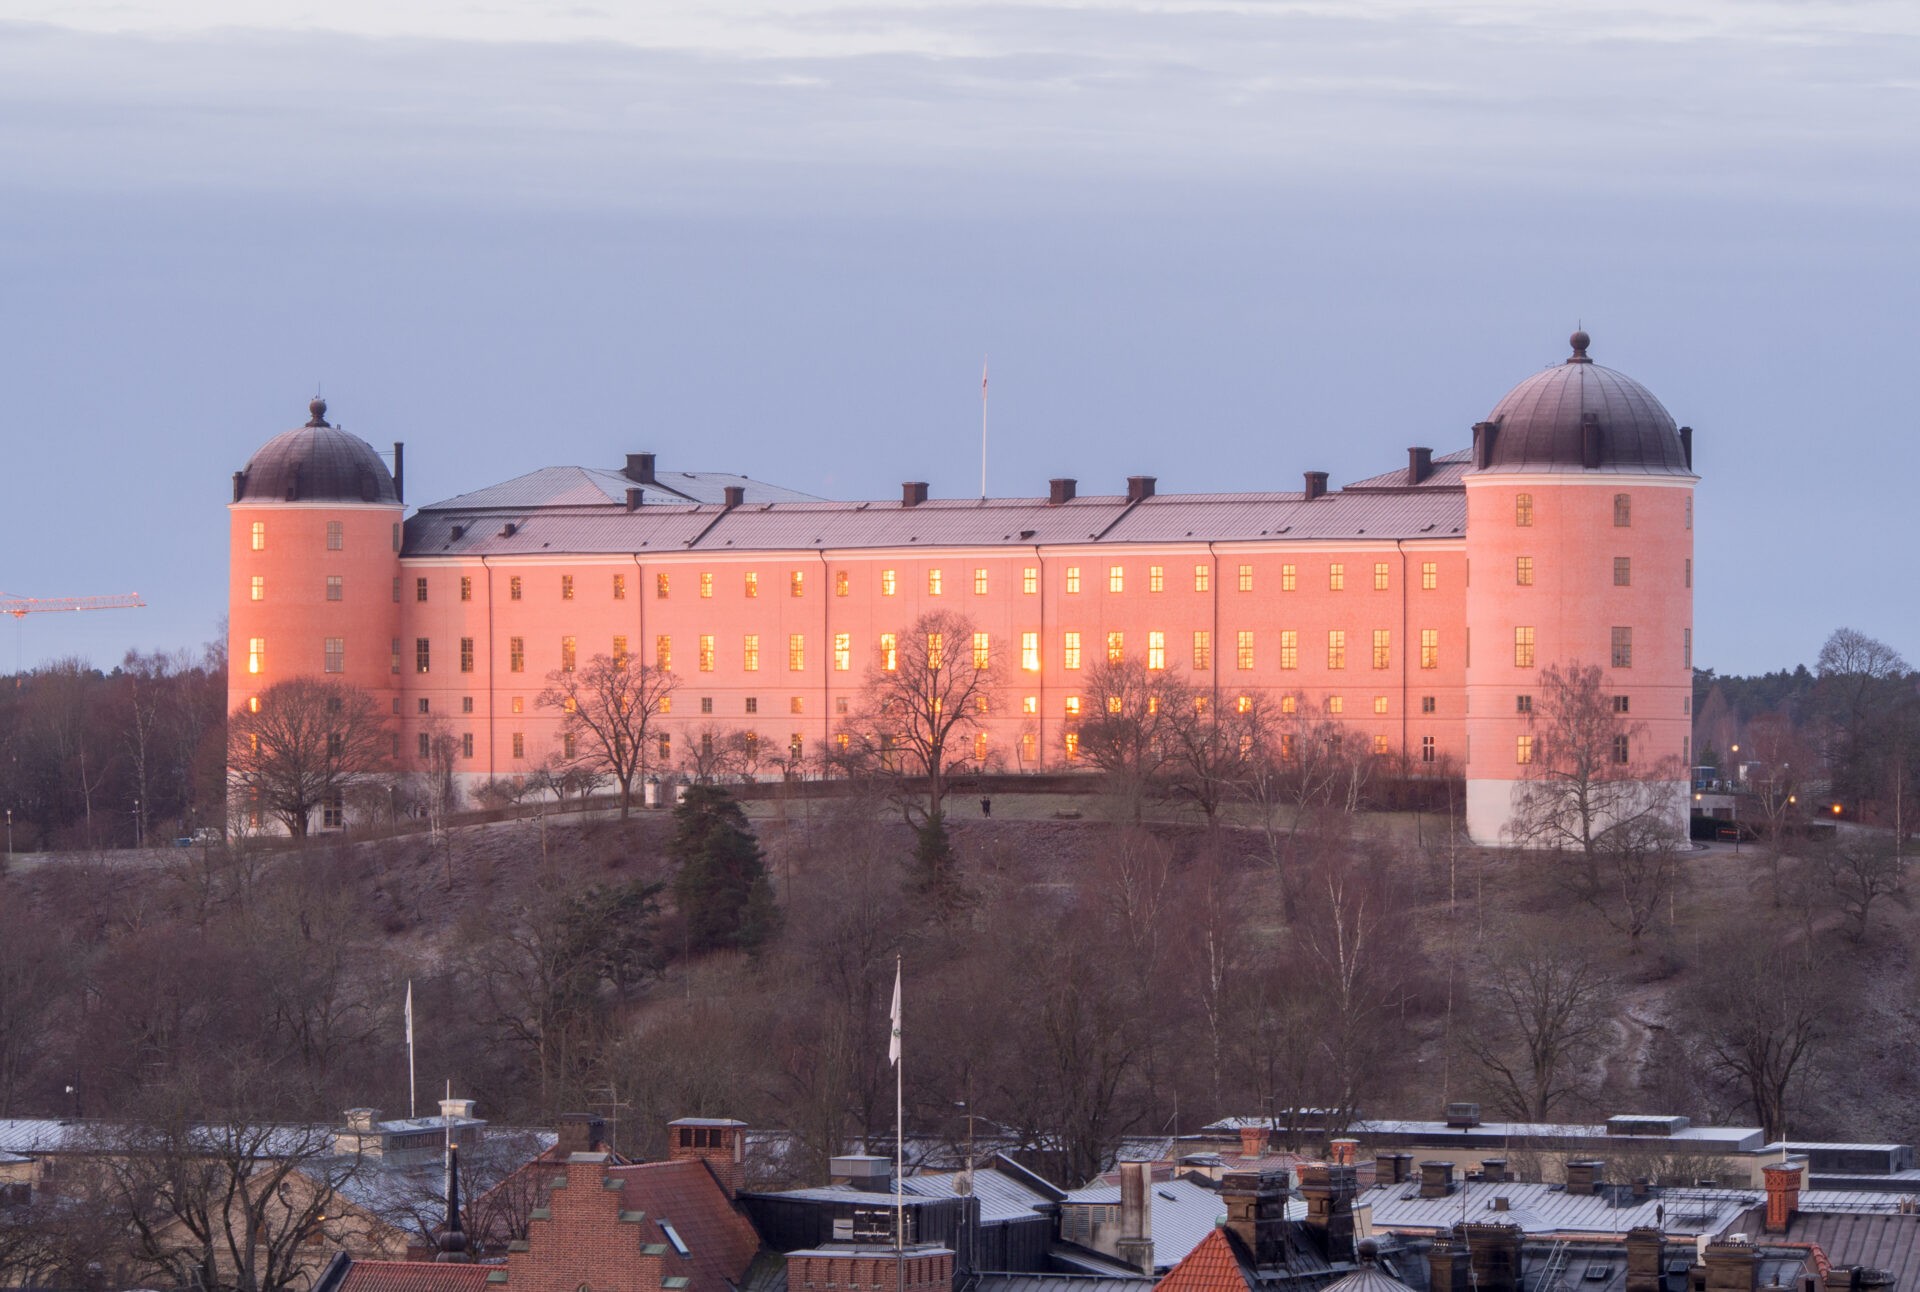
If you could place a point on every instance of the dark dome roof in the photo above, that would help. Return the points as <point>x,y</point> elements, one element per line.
<point>1542,422</point>
<point>316,463</point>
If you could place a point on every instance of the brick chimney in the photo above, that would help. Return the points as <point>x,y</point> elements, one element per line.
<point>1584,1178</point>
<point>922,1267</point>
<point>1646,1259</point>
<point>736,495</point>
<point>1485,434</point>
<point>1061,490</point>
<point>1256,1204</point>
<point>1732,1267</point>
<point>1343,1152</point>
<point>580,1133</point>
<point>1784,1182</point>
<point>1419,465</point>
<point>913,493</point>
<point>1495,1253</point>
<point>1139,488</point>
<point>1392,1168</point>
<point>1494,1170</point>
<point>1136,1215</point>
<point>1316,485</point>
<point>1329,1191</point>
<point>720,1143</point>
<point>1447,1268</point>
<point>1253,1141</point>
<point>634,496</point>
<point>1436,1179</point>
<point>639,468</point>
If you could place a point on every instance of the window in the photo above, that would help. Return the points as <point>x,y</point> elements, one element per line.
<point>396,589</point>
<point>753,583</point>
<point>1689,511</point>
<point>1116,578</point>
<point>258,591</point>
<point>396,536</point>
<point>1202,649</point>
<point>1426,749</point>
<point>336,587</point>
<point>797,583</point>
<point>1622,571</point>
<point>336,654</point>
<point>889,583</point>
<point>842,652</point>
<point>798,704</point>
<point>421,655</point>
<point>1381,579</point>
<point>619,587</point>
<point>1429,575</point>
<point>1523,571</point>
<point>1243,649</point>
<point>1116,647</point>
<point>566,588</point>
<point>1073,578</point>
<point>980,747</point>
<point>753,704</point>
<point>519,744</point>
<point>466,704</point>
<point>1380,704</point>
<point>1030,580</point>
<point>396,665</point>
<point>936,656</point>
<point>466,744</point>
<point>1686,638</point>
<point>1336,577</point>
<point>1336,648</point>
<point>1029,704</point>
<point>568,745</point>
<point>706,704</point>
<point>466,654</point>
<point>426,706</point>
<point>1523,647</point>
<point>1623,648</point>
<point>980,581</point>
<point>666,703</point>
<point>1620,704</point>
<point>1030,652</point>
<point>1288,704</point>
<point>1289,648</point>
<point>259,535</point>
<point>706,583</point>
<point>1073,744</point>
<point>889,652</point>
<point>981,658</point>
<point>750,652</point>
<point>1523,509</point>
<point>1379,744</point>
<point>1073,706</point>
<point>706,652</point>
<point>466,588</point>
<point>1246,578</point>
<point>841,583</point>
<point>663,651</point>
<point>1429,648</point>
<point>1689,575</point>
<point>796,653</point>
<point>662,586</point>
<point>1156,650</point>
<point>1429,704</point>
<point>425,746</point>
<point>1622,510</point>
<point>1202,579</point>
<point>1523,749</point>
<point>1382,648</point>
<point>934,583</point>
<point>567,654</point>
<point>620,652</point>
<point>1336,704</point>
<point>1523,704</point>
<point>1070,651</point>
<point>513,588</point>
<point>1156,578</point>
<point>519,704</point>
<point>1620,748</point>
<point>516,654</point>
<point>666,746</point>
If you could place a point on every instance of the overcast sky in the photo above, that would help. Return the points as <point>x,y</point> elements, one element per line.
<point>1220,243</point>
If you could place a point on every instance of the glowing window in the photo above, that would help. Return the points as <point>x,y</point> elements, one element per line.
<point>1289,648</point>
<point>567,654</point>
<point>1156,578</point>
<point>662,586</point>
<point>1030,580</point>
<point>1336,704</point>
<point>1073,706</point>
<point>1116,647</point>
<point>1381,579</point>
<point>1336,648</point>
<point>1523,749</point>
<point>1382,648</point>
<point>796,653</point>
<point>1379,744</point>
<point>980,654</point>
<point>1070,651</point>
<point>706,583</point>
<point>1429,648</point>
<point>1246,578</point>
<point>842,652</point>
<point>258,591</point>
<point>1523,509</point>
<point>663,651</point>
<point>619,587</point>
<point>513,588</point>
<point>1380,704</point>
<point>516,656</point>
<point>750,652</point>
<point>1073,744</point>
<point>1429,576</point>
<point>1336,577</point>
<point>797,583</point>
<point>1523,647</point>
<point>1116,578</point>
<point>1030,652</point>
<point>1156,650</point>
<point>1073,578</point>
<point>1523,571</point>
<point>1202,578</point>
<point>566,588</point>
<point>980,581</point>
<point>1029,704</point>
<point>619,652</point>
<point>841,583</point>
<point>889,652</point>
<point>259,535</point>
<point>706,652</point>
<point>466,588</point>
<point>1243,649</point>
<point>753,583</point>
<point>935,582</point>
<point>889,583</point>
<point>1202,649</point>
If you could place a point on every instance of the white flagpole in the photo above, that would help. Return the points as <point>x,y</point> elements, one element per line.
<point>899,1125</point>
<point>412,1084</point>
<point>983,427</point>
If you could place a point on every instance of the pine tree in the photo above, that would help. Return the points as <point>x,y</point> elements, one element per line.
<point>722,888</point>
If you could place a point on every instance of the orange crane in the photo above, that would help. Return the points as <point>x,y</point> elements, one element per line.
<point>21,607</point>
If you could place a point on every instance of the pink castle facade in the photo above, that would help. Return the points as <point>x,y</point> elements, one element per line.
<point>1418,606</point>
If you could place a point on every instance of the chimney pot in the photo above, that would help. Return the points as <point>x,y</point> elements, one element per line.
<point>1316,485</point>
<point>1061,490</point>
<point>1585,1178</point>
<point>509,529</point>
<point>1484,436</point>
<point>1253,1141</point>
<point>1139,488</point>
<point>1494,1170</point>
<point>913,493</point>
<point>1436,1179</point>
<point>239,484</point>
<point>400,470</point>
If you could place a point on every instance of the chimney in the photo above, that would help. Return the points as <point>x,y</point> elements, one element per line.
<point>1646,1259</point>
<point>1495,1253</point>
<point>457,1109</point>
<point>1061,490</point>
<point>581,1133</point>
<point>633,499</point>
<point>1136,1215</point>
<point>913,493</point>
<point>1391,1168</point>
<point>1842,1278</point>
<point>720,1143</point>
<point>1253,1141</point>
<point>1343,1152</point>
<point>509,529</point>
<point>866,1172</point>
<point>1590,440</point>
<point>458,532</point>
<point>1484,435</point>
<point>1436,1179</point>
<point>1642,1188</point>
<point>239,484</point>
<point>1784,1181</point>
<point>1494,1170</point>
<point>736,495</point>
<point>1329,1191</point>
<point>1585,1178</point>
<point>399,471</point>
<point>640,468</point>
<point>1732,1266</point>
<point>1257,1214</point>
<point>1447,1269</point>
<point>1419,465</point>
<point>1139,488</point>
<point>1686,445</point>
<point>1316,485</point>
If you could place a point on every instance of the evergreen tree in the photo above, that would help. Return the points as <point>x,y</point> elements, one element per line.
<point>722,887</point>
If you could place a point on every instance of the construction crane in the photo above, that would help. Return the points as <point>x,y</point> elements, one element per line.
<point>21,607</point>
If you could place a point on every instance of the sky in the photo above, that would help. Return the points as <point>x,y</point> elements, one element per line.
<point>1219,242</point>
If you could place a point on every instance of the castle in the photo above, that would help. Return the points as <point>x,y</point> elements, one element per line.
<point>1418,605</point>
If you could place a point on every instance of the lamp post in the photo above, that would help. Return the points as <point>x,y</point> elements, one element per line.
<point>139,827</point>
<point>9,832</point>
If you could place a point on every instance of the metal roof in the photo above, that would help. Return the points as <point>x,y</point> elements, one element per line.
<point>1002,1198</point>
<point>1890,1243</point>
<point>1542,421</point>
<point>591,486</point>
<point>1059,1283</point>
<point>1744,1139</point>
<point>316,463</point>
<point>1180,1214</point>
<point>1549,1209</point>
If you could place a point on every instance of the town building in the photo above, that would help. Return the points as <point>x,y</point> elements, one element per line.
<point>1417,606</point>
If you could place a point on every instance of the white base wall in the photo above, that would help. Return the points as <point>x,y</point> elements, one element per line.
<point>1490,807</point>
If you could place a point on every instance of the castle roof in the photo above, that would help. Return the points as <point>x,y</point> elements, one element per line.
<point>1578,416</point>
<point>316,463</point>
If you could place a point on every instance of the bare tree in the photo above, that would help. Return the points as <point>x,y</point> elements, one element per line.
<point>1786,761</point>
<point>923,693</point>
<point>608,709</point>
<point>1543,1005</point>
<point>307,744</point>
<point>1129,726</point>
<point>1575,783</point>
<point>1761,1008</point>
<point>1859,869</point>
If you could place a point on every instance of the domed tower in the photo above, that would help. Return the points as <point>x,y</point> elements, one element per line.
<point>314,591</point>
<point>1580,550</point>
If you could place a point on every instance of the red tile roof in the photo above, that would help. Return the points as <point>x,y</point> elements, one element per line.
<point>1213,1266</point>
<point>414,1276</point>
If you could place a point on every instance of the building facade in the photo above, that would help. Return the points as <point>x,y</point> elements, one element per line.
<point>1574,502</point>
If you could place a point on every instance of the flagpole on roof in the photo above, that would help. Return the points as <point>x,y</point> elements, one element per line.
<point>412,1082</point>
<point>983,427</point>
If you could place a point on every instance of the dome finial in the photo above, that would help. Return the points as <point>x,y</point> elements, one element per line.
<point>1580,341</point>
<point>318,407</point>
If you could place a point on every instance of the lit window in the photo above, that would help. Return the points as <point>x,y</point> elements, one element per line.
<point>889,583</point>
<point>662,586</point>
<point>1523,509</point>
<point>1073,578</point>
<point>259,535</point>
<point>566,654</point>
<point>843,741</point>
<point>1336,648</point>
<point>666,704</point>
<point>1115,704</point>
<point>934,583</point>
<point>516,655</point>
<point>1288,703</point>
<point>1429,576</point>
<point>1379,704</point>
<point>1202,579</point>
<point>1116,578</point>
<point>1429,648</point>
<point>1523,571</point>
<point>1073,706</point>
<point>566,587</point>
<point>1116,647</point>
<point>1382,648</point>
<point>519,704</point>
<point>753,583</point>
<point>1622,571</point>
<point>706,652</point>
<point>1202,649</point>
<point>1381,579</point>
<point>936,655</point>
<point>568,745</point>
<point>422,655</point>
<point>1523,749</point>
<point>466,654</point>
<point>1623,648</point>
<point>1289,648</point>
<point>1379,744</point>
<point>336,655</point>
<point>1622,510</point>
<point>466,588</point>
<point>1523,647</point>
<point>797,583</point>
<point>980,654</point>
<point>796,653</point>
<point>336,587</point>
<point>750,652</point>
<point>1073,744</point>
<point>889,652</point>
<point>1336,704</point>
<point>980,581</point>
<point>1336,577</point>
<point>1030,652</point>
<point>619,587</point>
<point>1427,751</point>
<point>841,583</point>
<point>1156,578</point>
<point>420,589</point>
<point>842,652</point>
<point>619,652</point>
<point>1070,651</point>
<point>706,583</point>
<point>980,704</point>
<point>258,592</point>
<point>1029,704</point>
<point>663,651</point>
<point>1030,580</point>
<point>797,704</point>
<point>1246,578</point>
<point>1156,650</point>
<point>519,744</point>
<point>1243,649</point>
<point>980,746</point>
<point>1244,704</point>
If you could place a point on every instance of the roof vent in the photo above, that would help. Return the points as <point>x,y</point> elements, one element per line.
<point>459,532</point>
<point>1061,490</point>
<point>1463,1116</point>
<point>639,468</point>
<point>1139,488</point>
<point>913,493</point>
<point>509,529</point>
<point>736,494</point>
<point>1316,485</point>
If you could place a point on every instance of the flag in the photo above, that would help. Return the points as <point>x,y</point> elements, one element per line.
<point>409,1016</point>
<point>893,1044</point>
<point>983,379</point>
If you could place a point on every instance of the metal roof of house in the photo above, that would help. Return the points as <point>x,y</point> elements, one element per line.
<point>1180,1214</point>
<point>1744,1139</point>
<point>1890,1243</point>
<point>591,486</point>
<point>1060,1283</point>
<point>1540,1209</point>
<point>1002,1198</point>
